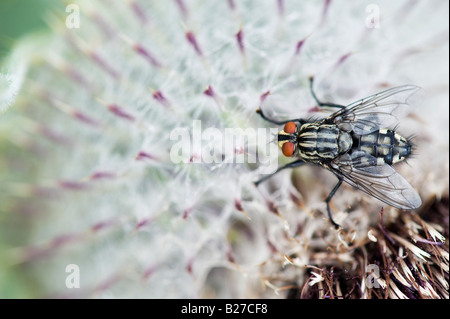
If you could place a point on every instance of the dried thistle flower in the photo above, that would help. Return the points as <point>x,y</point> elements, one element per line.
<point>401,260</point>
<point>88,183</point>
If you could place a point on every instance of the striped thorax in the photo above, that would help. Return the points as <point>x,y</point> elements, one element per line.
<point>318,142</point>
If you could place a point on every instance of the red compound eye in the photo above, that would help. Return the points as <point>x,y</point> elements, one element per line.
<point>289,127</point>
<point>288,149</point>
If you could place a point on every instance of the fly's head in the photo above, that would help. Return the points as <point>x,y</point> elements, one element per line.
<point>287,139</point>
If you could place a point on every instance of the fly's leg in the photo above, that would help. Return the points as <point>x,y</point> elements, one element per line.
<point>328,202</point>
<point>260,112</point>
<point>329,104</point>
<point>296,163</point>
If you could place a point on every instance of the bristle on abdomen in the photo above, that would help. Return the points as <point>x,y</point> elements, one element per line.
<point>386,145</point>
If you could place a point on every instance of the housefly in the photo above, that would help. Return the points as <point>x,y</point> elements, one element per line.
<point>355,144</point>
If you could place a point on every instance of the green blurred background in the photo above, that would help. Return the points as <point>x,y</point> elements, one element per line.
<point>19,17</point>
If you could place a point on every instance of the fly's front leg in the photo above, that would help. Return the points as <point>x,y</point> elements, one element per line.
<point>328,202</point>
<point>260,112</point>
<point>296,163</point>
<point>329,104</point>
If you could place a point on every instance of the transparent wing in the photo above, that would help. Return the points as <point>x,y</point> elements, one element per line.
<point>381,110</point>
<point>380,181</point>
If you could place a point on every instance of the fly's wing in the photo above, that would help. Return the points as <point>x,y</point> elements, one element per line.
<point>380,181</point>
<point>381,110</point>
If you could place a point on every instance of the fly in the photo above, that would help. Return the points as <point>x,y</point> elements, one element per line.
<point>354,144</point>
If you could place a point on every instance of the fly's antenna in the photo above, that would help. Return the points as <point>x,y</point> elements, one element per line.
<point>274,138</point>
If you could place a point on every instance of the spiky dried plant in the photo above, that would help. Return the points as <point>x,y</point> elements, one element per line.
<point>87,177</point>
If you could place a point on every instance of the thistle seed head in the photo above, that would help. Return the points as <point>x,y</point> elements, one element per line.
<point>98,181</point>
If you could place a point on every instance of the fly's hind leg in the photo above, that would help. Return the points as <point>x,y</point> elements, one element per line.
<point>327,201</point>
<point>320,103</point>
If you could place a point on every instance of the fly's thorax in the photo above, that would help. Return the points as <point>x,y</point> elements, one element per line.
<point>386,145</point>
<point>345,142</point>
<point>318,141</point>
